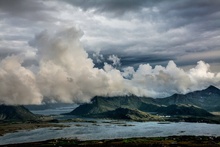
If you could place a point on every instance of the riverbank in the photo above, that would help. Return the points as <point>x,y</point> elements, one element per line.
<point>17,126</point>
<point>186,141</point>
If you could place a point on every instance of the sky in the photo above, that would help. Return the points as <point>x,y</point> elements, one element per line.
<point>57,50</point>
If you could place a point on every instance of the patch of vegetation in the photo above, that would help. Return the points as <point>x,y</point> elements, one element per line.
<point>17,126</point>
<point>128,114</point>
<point>210,120</point>
<point>183,109</point>
<point>79,120</point>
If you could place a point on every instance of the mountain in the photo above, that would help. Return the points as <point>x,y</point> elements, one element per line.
<point>105,104</point>
<point>192,104</point>
<point>16,113</point>
<point>181,109</point>
<point>208,99</point>
<point>129,114</point>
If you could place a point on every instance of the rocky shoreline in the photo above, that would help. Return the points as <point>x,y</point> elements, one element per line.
<point>186,141</point>
<point>17,126</point>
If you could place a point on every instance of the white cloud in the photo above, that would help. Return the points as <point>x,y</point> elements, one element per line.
<point>115,60</point>
<point>18,84</point>
<point>67,74</point>
<point>144,27</point>
<point>171,79</point>
<point>98,57</point>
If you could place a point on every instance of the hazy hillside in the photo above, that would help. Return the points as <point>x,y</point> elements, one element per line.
<point>16,113</point>
<point>208,99</point>
<point>181,109</point>
<point>49,106</point>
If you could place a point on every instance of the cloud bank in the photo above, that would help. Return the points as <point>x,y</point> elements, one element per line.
<point>65,73</point>
<point>138,32</point>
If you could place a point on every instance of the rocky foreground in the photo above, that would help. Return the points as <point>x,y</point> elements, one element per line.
<point>181,141</point>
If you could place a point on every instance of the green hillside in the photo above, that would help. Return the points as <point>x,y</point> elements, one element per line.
<point>181,109</point>
<point>196,103</point>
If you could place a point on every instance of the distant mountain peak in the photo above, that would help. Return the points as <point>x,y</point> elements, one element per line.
<point>16,113</point>
<point>212,88</point>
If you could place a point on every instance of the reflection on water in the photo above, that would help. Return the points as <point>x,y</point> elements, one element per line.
<point>121,129</point>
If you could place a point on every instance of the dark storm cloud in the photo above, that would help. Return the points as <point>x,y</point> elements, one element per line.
<point>30,62</point>
<point>133,59</point>
<point>19,6</point>
<point>190,9</point>
<point>183,8</point>
<point>152,59</point>
<point>172,13</point>
<point>25,9</point>
<point>4,52</point>
<point>19,21</point>
<point>124,35</point>
<point>115,6</point>
<point>176,28</point>
<point>204,13</point>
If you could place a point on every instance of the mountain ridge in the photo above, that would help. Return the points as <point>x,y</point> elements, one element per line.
<point>207,98</point>
<point>196,103</point>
